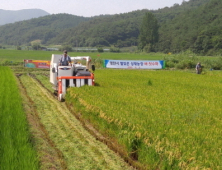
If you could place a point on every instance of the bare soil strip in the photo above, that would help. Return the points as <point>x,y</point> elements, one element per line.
<point>73,145</point>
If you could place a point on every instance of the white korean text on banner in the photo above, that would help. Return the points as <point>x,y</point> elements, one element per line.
<point>135,64</point>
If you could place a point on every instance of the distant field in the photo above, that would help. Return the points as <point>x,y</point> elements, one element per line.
<point>20,55</point>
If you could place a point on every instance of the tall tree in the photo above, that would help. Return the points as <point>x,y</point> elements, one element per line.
<point>148,32</point>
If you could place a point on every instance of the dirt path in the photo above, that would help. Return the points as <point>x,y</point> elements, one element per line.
<point>72,146</point>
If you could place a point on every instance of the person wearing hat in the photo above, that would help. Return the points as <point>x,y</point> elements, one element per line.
<point>65,59</point>
<point>198,68</point>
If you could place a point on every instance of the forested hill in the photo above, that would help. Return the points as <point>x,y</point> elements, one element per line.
<point>194,25</point>
<point>42,28</point>
<point>9,16</point>
<point>198,30</point>
<point>122,30</point>
<point>166,13</point>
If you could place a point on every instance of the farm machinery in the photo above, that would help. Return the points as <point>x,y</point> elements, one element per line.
<point>77,74</point>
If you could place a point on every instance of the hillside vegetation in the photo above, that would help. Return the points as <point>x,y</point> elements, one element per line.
<point>198,30</point>
<point>43,28</point>
<point>193,25</point>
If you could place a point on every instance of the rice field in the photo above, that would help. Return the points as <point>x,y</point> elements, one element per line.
<point>164,119</point>
<point>16,150</point>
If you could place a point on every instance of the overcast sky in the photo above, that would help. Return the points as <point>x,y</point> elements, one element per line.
<point>87,8</point>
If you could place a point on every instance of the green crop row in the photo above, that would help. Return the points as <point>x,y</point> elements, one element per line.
<point>16,151</point>
<point>165,119</point>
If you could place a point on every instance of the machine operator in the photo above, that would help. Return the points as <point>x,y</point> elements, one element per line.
<point>65,60</point>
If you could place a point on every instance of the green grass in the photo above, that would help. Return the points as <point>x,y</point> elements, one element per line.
<point>171,119</point>
<point>20,55</point>
<point>16,151</point>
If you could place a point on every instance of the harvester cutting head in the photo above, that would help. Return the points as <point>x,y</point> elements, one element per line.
<point>77,74</point>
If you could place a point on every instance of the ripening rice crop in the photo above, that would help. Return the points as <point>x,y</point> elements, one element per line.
<point>165,119</point>
<point>16,151</point>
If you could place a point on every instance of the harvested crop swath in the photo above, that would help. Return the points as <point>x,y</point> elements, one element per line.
<point>79,149</point>
<point>16,151</point>
<point>165,119</point>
